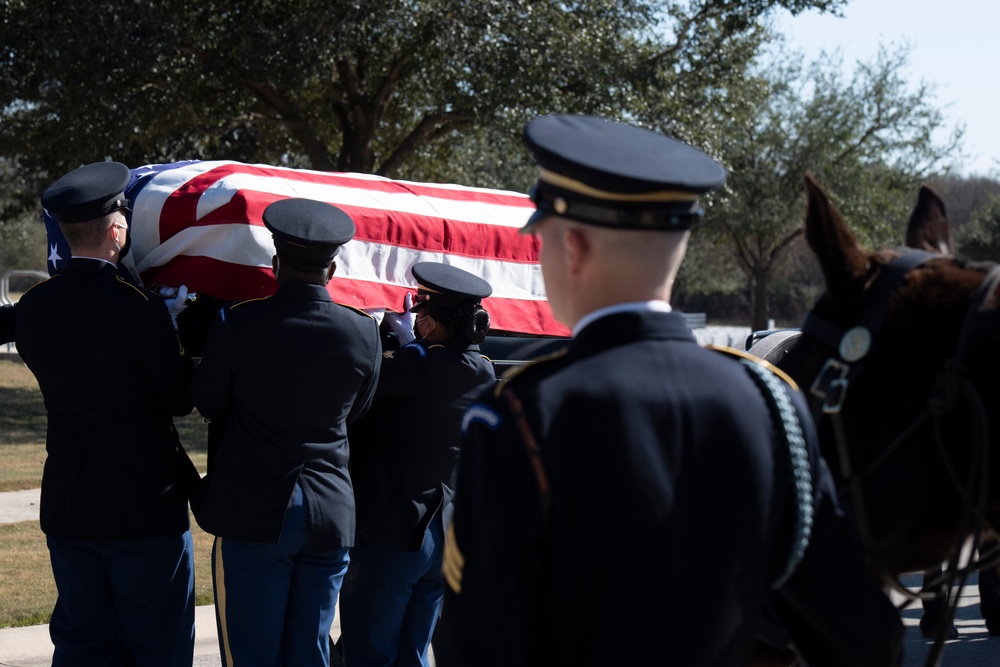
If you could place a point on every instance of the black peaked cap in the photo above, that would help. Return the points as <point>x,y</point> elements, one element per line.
<point>88,192</point>
<point>613,174</point>
<point>308,232</point>
<point>448,285</point>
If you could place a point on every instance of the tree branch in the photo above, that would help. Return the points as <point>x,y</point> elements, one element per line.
<point>706,12</point>
<point>301,129</point>
<point>429,129</point>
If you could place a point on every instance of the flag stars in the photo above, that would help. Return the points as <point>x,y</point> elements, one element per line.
<point>54,257</point>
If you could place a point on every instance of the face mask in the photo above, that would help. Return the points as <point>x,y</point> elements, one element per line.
<point>123,250</point>
<point>415,332</point>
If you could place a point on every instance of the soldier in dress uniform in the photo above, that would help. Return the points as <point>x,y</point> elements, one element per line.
<point>114,503</point>
<point>286,374</point>
<point>638,499</point>
<point>404,475</point>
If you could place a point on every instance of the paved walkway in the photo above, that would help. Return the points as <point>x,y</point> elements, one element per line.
<point>31,646</point>
<point>16,506</point>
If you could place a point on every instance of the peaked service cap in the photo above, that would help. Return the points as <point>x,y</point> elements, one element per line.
<point>88,192</point>
<point>602,172</point>
<point>307,233</point>
<point>447,286</point>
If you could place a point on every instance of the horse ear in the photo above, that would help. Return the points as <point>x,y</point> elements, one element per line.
<point>840,256</point>
<point>928,228</point>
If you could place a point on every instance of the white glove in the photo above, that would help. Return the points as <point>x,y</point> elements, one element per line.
<point>402,323</point>
<point>376,313</point>
<point>176,303</point>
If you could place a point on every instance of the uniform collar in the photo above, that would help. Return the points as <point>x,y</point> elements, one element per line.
<point>622,326</point>
<point>304,291</point>
<point>94,264</point>
<point>630,307</point>
<point>452,344</point>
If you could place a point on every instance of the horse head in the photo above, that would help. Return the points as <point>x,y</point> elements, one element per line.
<point>899,359</point>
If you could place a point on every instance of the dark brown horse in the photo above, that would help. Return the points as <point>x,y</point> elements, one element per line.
<point>900,359</point>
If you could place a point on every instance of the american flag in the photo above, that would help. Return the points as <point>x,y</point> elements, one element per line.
<point>198,223</point>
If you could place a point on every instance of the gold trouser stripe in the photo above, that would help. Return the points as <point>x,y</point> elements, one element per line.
<point>454,561</point>
<point>219,573</point>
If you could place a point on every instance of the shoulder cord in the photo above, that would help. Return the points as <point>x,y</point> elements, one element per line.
<point>795,444</point>
<point>791,432</point>
<point>533,450</point>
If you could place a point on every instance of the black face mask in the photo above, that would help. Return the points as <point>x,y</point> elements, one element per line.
<point>128,243</point>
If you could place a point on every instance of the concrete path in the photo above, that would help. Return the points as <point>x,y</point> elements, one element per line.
<point>975,647</point>
<point>17,506</point>
<point>31,646</point>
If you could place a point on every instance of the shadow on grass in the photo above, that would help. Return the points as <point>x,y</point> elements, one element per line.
<point>22,416</point>
<point>23,419</point>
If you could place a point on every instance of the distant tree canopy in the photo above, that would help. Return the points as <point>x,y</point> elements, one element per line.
<point>439,90</point>
<point>965,196</point>
<point>868,140</point>
<point>382,86</point>
<point>979,237</point>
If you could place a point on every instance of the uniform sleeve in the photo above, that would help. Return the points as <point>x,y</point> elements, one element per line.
<point>8,317</point>
<point>169,369</point>
<point>366,392</point>
<point>212,384</point>
<point>491,564</point>
<point>833,610</point>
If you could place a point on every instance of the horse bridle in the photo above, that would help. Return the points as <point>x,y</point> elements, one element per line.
<point>853,347</point>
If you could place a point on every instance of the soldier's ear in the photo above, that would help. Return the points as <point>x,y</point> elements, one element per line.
<point>577,247</point>
<point>331,270</point>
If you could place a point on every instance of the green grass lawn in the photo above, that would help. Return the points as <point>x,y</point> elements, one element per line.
<point>27,591</point>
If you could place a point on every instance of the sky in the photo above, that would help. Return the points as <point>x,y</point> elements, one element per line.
<point>954,47</point>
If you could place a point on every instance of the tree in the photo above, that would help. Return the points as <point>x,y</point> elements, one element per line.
<point>370,86</point>
<point>423,89</point>
<point>979,238</point>
<point>22,234</point>
<point>869,141</point>
<point>965,195</point>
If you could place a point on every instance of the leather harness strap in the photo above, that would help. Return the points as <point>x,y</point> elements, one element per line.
<point>831,386</point>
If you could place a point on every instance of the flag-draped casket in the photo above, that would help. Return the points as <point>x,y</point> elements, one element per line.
<point>199,224</point>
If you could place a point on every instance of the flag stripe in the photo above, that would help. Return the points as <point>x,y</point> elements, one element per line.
<point>235,282</point>
<point>200,224</point>
<point>252,247</point>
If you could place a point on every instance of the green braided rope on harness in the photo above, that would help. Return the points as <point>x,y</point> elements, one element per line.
<point>791,433</point>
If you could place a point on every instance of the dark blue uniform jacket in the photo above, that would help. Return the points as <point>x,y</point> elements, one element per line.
<point>671,517</point>
<point>112,373</point>
<point>404,468</point>
<point>286,373</point>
